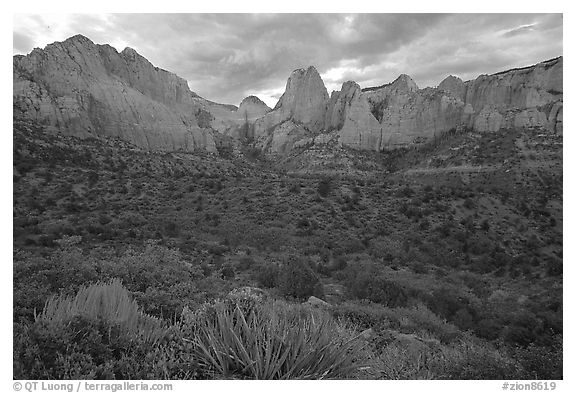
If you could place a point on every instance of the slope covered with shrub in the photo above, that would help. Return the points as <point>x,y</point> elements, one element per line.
<point>460,240</point>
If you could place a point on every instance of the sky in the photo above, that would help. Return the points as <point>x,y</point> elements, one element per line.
<point>226,57</point>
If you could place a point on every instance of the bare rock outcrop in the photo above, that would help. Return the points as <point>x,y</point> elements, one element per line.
<point>455,86</point>
<point>252,108</point>
<point>359,128</point>
<point>79,88</point>
<point>526,97</point>
<point>83,89</point>
<point>303,103</point>
<point>409,115</point>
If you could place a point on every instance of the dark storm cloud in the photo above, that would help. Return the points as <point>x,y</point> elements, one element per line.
<point>226,57</point>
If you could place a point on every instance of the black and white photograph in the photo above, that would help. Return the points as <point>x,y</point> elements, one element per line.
<point>286,196</point>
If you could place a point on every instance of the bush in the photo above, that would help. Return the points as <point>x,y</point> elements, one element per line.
<point>109,303</point>
<point>272,340</point>
<point>478,361</point>
<point>100,333</point>
<point>324,187</point>
<point>541,362</point>
<point>245,263</point>
<point>297,279</point>
<point>368,284</point>
<point>267,275</point>
<point>227,272</point>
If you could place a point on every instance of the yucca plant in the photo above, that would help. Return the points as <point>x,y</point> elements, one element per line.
<point>272,340</point>
<point>107,302</point>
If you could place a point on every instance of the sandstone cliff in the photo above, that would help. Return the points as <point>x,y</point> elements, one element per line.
<point>80,88</point>
<point>83,89</point>
<point>252,108</point>
<point>401,114</point>
<point>302,104</point>
<point>524,97</point>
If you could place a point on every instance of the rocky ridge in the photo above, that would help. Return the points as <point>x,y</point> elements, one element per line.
<point>401,114</point>
<point>80,88</point>
<point>83,89</point>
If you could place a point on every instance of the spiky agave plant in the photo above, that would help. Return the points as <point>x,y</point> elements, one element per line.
<point>272,340</point>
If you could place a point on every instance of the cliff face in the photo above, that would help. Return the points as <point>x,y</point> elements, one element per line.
<point>527,97</point>
<point>252,108</point>
<point>303,104</point>
<point>356,125</point>
<point>83,89</point>
<point>530,97</point>
<point>400,114</point>
<point>80,88</point>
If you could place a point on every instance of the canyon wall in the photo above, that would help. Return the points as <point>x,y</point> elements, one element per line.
<point>83,89</point>
<point>79,88</point>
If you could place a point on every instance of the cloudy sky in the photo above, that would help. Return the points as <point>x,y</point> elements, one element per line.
<point>226,57</point>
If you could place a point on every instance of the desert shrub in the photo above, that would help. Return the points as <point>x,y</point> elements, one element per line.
<point>554,267</point>
<point>110,303</point>
<point>154,270</point>
<point>227,272</point>
<point>100,333</point>
<point>481,245</point>
<point>400,362</point>
<point>245,263</point>
<point>488,328</point>
<point>363,314</point>
<point>348,246</point>
<point>463,359</point>
<point>294,188</point>
<point>154,265</point>
<point>415,319</point>
<point>36,277</point>
<point>337,264</point>
<point>267,275</point>
<point>371,285</point>
<point>297,279</point>
<point>324,187</point>
<point>541,362</point>
<point>470,360</point>
<point>469,204</point>
<point>271,340</point>
<point>217,249</point>
<point>405,192</point>
<point>445,303</point>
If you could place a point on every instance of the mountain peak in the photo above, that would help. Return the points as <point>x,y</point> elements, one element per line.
<point>405,82</point>
<point>252,100</point>
<point>79,38</point>
<point>454,85</point>
<point>130,53</point>
<point>253,107</point>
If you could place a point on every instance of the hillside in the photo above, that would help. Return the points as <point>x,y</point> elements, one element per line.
<point>454,248</point>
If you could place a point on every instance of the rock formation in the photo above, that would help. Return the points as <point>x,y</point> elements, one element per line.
<point>401,114</point>
<point>80,88</point>
<point>303,104</point>
<point>351,116</point>
<point>523,97</point>
<point>84,89</point>
<point>252,108</point>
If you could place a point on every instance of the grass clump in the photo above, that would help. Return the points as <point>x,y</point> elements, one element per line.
<point>109,303</point>
<point>100,333</point>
